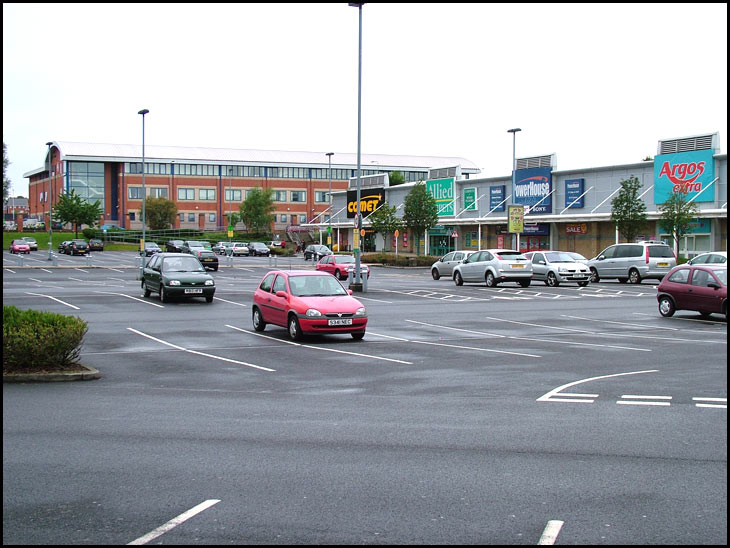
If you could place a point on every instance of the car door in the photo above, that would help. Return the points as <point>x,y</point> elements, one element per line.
<point>605,263</point>
<point>473,268</point>
<point>700,296</point>
<point>279,304</point>
<point>152,274</point>
<point>540,266</point>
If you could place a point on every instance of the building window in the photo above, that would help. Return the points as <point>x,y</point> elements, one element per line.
<point>321,196</point>
<point>182,217</point>
<point>298,196</point>
<point>211,217</point>
<point>233,195</point>
<point>160,192</point>
<point>279,196</point>
<point>302,219</point>
<point>191,217</point>
<point>207,194</point>
<point>186,194</point>
<point>282,218</point>
<point>135,193</point>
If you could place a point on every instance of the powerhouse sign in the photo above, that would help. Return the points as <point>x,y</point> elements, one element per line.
<point>532,189</point>
<point>685,172</point>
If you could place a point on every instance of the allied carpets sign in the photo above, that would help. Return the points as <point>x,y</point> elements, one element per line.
<point>496,198</point>
<point>370,200</point>
<point>442,191</point>
<point>532,189</point>
<point>685,172</point>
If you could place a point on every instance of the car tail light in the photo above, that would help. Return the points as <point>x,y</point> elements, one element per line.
<point>647,254</point>
<point>499,257</point>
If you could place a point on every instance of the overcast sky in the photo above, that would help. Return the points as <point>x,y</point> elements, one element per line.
<point>596,84</point>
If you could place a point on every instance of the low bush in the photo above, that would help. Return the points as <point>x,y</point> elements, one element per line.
<point>36,341</point>
<point>402,260</point>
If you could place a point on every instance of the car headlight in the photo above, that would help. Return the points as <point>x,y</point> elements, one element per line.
<point>562,269</point>
<point>174,282</point>
<point>209,282</point>
<point>361,313</point>
<point>313,313</point>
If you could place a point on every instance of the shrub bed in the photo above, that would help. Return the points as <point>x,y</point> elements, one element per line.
<point>35,342</point>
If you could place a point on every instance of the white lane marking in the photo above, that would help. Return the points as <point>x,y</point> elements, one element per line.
<point>717,405</point>
<point>550,534</point>
<point>230,302</point>
<point>9,269</point>
<point>114,269</point>
<point>636,397</point>
<point>620,323</point>
<point>53,298</point>
<point>130,297</point>
<point>387,336</point>
<point>549,396</point>
<point>199,353</point>
<point>457,329</point>
<point>524,354</point>
<point>36,280</point>
<point>628,399</point>
<point>361,298</point>
<point>174,522</point>
<point>319,348</point>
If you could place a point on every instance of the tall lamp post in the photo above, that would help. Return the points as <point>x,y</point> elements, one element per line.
<point>144,199</point>
<point>514,131</point>
<point>329,200</point>
<point>50,193</point>
<point>358,215</point>
<point>230,202</point>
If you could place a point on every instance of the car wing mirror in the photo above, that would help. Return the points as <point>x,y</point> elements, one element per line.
<point>349,291</point>
<point>713,285</point>
<point>282,294</point>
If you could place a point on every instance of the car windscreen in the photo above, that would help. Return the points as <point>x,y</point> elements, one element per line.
<point>315,286</point>
<point>511,256</point>
<point>559,258</point>
<point>182,264</point>
<point>660,251</point>
<point>345,260</point>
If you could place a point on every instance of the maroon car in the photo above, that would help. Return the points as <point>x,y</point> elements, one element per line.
<point>701,288</point>
<point>19,246</point>
<point>340,266</point>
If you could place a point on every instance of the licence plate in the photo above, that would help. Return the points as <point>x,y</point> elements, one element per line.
<point>518,266</point>
<point>194,290</point>
<point>663,264</point>
<point>341,321</point>
<point>208,260</point>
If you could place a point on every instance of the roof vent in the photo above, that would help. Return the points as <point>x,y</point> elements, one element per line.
<point>379,180</point>
<point>444,172</point>
<point>690,144</point>
<point>549,160</point>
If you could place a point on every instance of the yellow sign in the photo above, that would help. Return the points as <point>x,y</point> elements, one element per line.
<point>396,233</point>
<point>516,218</point>
<point>355,241</point>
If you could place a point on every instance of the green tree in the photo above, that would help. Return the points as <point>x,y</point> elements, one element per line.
<point>71,208</point>
<point>258,210</point>
<point>6,181</point>
<point>384,221</point>
<point>628,211</point>
<point>160,213</point>
<point>396,178</point>
<point>677,214</point>
<point>420,212</point>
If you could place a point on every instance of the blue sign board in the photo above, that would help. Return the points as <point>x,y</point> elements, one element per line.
<point>687,172</point>
<point>532,189</point>
<point>574,193</point>
<point>496,197</point>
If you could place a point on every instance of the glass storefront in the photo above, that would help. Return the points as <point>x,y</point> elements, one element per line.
<point>86,179</point>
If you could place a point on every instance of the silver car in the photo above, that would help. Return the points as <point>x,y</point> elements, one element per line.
<point>493,266</point>
<point>633,262</point>
<point>556,267</point>
<point>445,265</point>
<point>711,257</point>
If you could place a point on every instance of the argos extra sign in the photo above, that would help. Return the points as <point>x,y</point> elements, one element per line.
<point>685,172</point>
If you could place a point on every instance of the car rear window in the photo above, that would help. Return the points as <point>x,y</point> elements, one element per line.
<point>660,251</point>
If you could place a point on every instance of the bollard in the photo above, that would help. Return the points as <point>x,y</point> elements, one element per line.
<point>20,259</point>
<point>273,257</point>
<point>54,259</point>
<point>229,260</point>
<point>88,259</point>
<point>364,278</point>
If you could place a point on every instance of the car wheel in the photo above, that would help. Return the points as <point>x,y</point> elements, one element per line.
<point>435,274</point>
<point>526,283</point>
<point>295,332</point>
<point>163,294</point>
<point>337,275</point>
<point>666,307</point>
<point>705,314</point>
<point>458,280</point>
<point>634,276</point>
<point>594,276</point>
<point>582,284</point>
<point>258,320</point>
<point>146,291</point>
<point>357,336</point>
<point>489,280</point>
<point>552,280</point>
<point>209,299</point>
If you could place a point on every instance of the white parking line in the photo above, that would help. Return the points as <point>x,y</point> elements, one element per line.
<point>458,329</point>
<point>550,396</point>
<point>318,348</point>
<point>230,302</point>
<point>199,353</point>
<point>550,534</point>
<point>630,399</point>
<point>130,297</point>
<point>54,299</point>
<point>174,522</point>
<point>618,323</point>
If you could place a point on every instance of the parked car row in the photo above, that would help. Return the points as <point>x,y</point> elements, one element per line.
<point>74,247</point>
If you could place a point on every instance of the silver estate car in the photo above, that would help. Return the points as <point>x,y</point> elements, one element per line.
<point>493,266</point>
<point>633,262</point>
<point>445,265</point>
<point>556,267</point>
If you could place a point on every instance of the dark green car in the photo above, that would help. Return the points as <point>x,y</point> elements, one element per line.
<point>177,275</point>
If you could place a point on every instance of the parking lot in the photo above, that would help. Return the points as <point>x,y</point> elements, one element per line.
<point>466,415</point>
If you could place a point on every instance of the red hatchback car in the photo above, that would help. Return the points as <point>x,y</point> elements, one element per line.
<point>341,265</point>
<point>307,302</point>
<point>702,288</point>
<point>19,246</point>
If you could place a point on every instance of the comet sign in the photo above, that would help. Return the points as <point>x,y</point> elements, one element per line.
<point>370,200</point>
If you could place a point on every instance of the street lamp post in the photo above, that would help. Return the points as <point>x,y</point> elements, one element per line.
<point>50,193</point>
<point>329,200</point>
<point>358,215</point>
<point>514,131</point>
<point>144,199</point>
<point>230,201</point>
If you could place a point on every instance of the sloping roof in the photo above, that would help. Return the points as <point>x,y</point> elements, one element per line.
<point>133,153</point>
